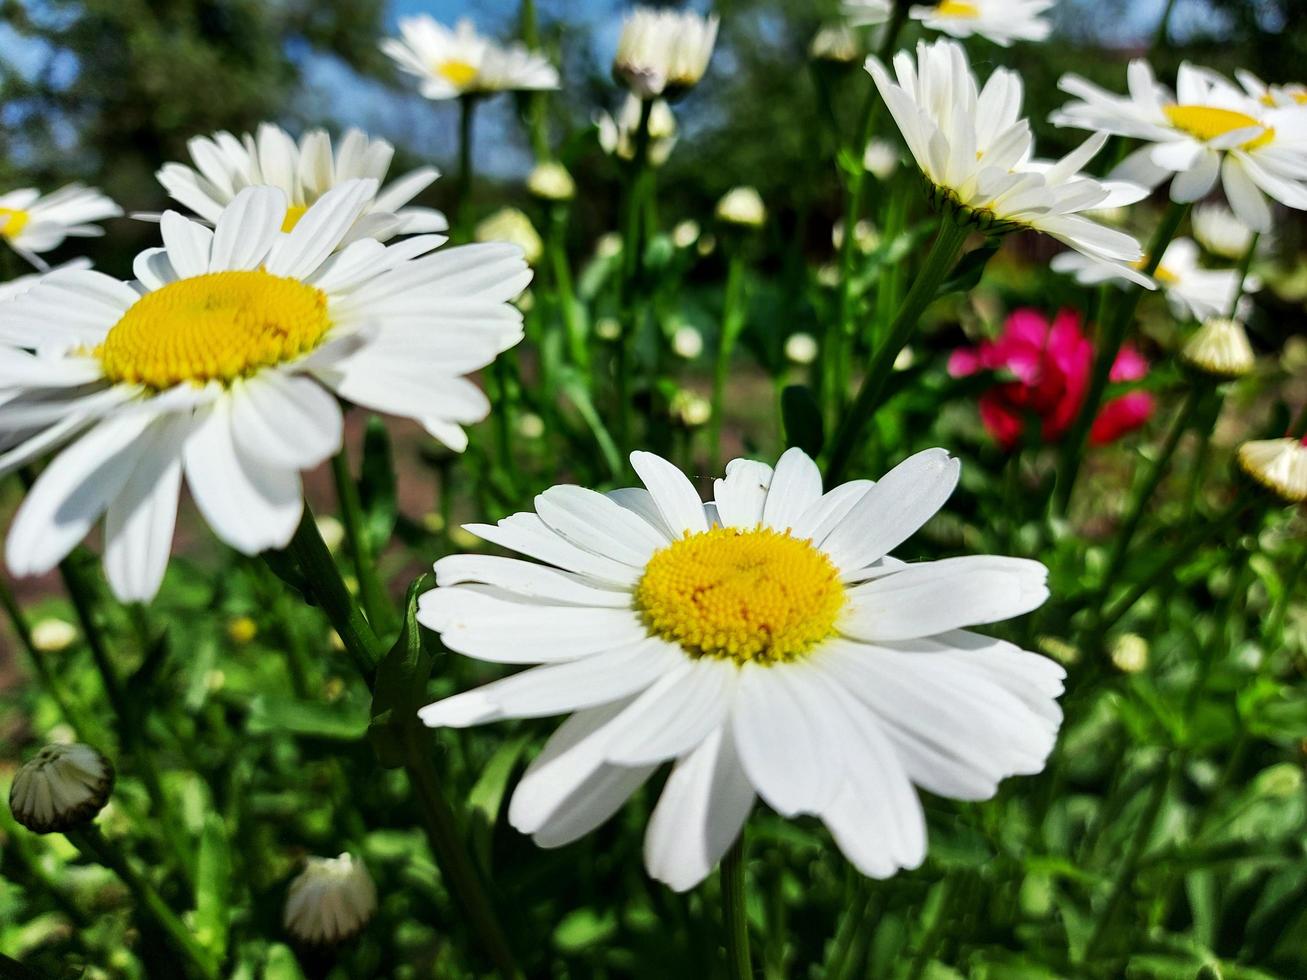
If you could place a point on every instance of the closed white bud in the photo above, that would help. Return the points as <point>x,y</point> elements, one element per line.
<point>801,348</point>
<point>687,342</point>
<point>1279,465</point>
<point>61,787</point>
<point>690,409</point>
<point>608,245</point>
<point>880,159</point>
<point>550,181</point>
<point>836,43</point>
<point>53,635</point>
<point>512,226</point>
<point>686,233</point>
<point>742,206</point>
<point>1220,349</point>
<point>530,425</point>
<point>608,328</point>
<point>1220,232</point>
<point>1130,653</point>
<point>330,901</point>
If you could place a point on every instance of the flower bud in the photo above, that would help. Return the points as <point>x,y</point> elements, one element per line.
<point>880,159</point>
<point>742,206</point>
<point>1219,349</point>
<point>836,44</point>
<point>690,409</point>
<point>332,531</point>
<point>330,901</point>
<point>242,630</point>
<point>1278,465</point>
<point>53,635</point>
<point>608,328</point>
<point>687,342</point>
<point>801,348</point>
<point>61,787</point>
<point>512,226</point>
<point>530,425</point>
<point>685,234</point>
<point>1130,653</point>
<point>550,181</point>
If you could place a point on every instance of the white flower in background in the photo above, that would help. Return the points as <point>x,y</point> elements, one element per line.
<point>865,236</point>
<point>1000,21</point>
<point>223,363</point>
<point>550,181</point>
<point>1220,232</point>
<point>687,342</point>
<point>801,348</point>
<point>1220,349</point>
<point>608,328</point>
<point>690,409</point>
<point>764,642</point>
<point>1130,653</point>
<point>617,135</point>
<point>663,52</point>
<point>303,171</point>
<point>453,63</point>
<point>512,226</point>
<point>686,233</point>
<point>608,245</point>
<point>976,150</point>
<point>61,787</point>
<point>530,426</point>
<point>742,206</point>
<point>837,43</point>
<point>330,901</point>
<point>52,635</point>
<point>1279,465</point>
<point>1191,291</point>
<point>30,223</point>
<point>1293,94</point>
<point>867,13</point>
<point>1207,129</point>
<point>880,159</point>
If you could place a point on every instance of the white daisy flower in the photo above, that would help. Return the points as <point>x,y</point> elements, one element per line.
<point>1207,129</point>
<point>1220,232</point>
<point>453,63</point>
<point>765,643</point>
<point>975,149</point>
<point>867,13</point>
<point>1292,94</point>
<point>663,52</point>
<point>1000,21</point>
<point>617,133</point>
<point>21,284</point>
<point>1191,291</point>
<point>31,224</point>
<point>223,362</point>
<point>304,171</point>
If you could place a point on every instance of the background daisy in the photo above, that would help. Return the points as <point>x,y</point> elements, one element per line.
<point>31,224</point>
<point>223,363</point>
<point>1000,21</point>
<point>452,63</point>
<point>765,642</point>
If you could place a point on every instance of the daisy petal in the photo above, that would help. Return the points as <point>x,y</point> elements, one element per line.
<point>673,715</point>
<point>672,491</point>
<point>795,486</point>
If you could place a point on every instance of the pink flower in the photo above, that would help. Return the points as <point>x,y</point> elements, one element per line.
<point>1051,364</point>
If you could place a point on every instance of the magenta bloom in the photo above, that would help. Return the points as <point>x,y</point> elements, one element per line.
<point>1051,364</point>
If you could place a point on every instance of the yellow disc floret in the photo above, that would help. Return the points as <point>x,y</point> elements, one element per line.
<point>220,326</point>
<point>293,215</point>
<point>13,222</point>
<point>1206,122</point>
<point>957,8</point>
<point>459,74</point>
<point>759,595</point>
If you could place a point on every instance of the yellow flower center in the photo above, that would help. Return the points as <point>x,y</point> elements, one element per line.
<point>757,595</point>
<point>13,222</point>
<point>1206,122</point>
<point>220,326</point>
<point>1162,274</point>
<point>459,74</point>
<point>957,8</point>
<point>293,215</point>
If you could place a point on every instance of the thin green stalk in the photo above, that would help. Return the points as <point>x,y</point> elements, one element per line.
<point>535,101</point>
<point>1109,346</point>
<point>732,325</point>
<point>1159,38</point>
<point>376,603</point>
<point>938,264</point>
<point>1244,264</point>
<point>735,915</point>
<point>47,678</point>
<point>942,922</point>
<point>556,252</point>
<point>91,842</point>
<point>1153,478</point>
<point>467,105</point>
<point>1130,865</point>
<point>633,244</point>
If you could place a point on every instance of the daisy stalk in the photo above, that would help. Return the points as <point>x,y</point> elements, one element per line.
<point>733,314</point>
<point>1118,323</point>
<point>633,237</point>
<point>376,603</point>
<point>739,961</point>
<point>40,664</point>
<point>556,254</point>
<point>467,106</point>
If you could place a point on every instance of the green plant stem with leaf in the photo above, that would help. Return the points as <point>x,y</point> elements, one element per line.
<point>633,245</point>
<point>376,603</point>
<point>50,682</point>
<point>733,317</point>
<point>938,264</point>
<point>1109,346</point>
<point>735,913</point>
<point>578,348</point>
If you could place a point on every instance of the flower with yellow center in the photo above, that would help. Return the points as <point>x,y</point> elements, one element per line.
<point>1291,94</point>
<point>223,165</point>
<point>225,362</point>
<point>451,63</point>
<point>31,224</point>
<point>1207,129</point>
<point>765,642</point>
<point>1000,21</point>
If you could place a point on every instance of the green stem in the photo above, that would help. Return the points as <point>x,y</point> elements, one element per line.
<point>535,101</point>
<point>91,842</point>
<point>1156,470</point>
<point>632,270</point>
<point>47,678</point>
<point>938,264</point>
<point>376,603</point>
<point>1138,842</point>
<point>732,324</point>
<point>1109,346</point>
<point>466,114</point>
<point>739,962</point>
<point>1244,264</point>
<point>1159,39</point>
<point>577,347</point>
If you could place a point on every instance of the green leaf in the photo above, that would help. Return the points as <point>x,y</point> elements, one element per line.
<point>270,714</point>
<point>377,484</point>
<point>803,423</point>
<point>583,928</point>
<point>213,887</point>
<point>401,683</point>
<point>281,964</point>
<point>487,796</point>
<point>575,391</point>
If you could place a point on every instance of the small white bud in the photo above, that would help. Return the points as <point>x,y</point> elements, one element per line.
<point>608,245</point>
<point>530,425</point>
<point>1130,653</point>
<point>687,343</point>
<point>742,206</point>
<point>61,787</point>
<point>53,635</point>
<point>880,159</point>
<point>1220,349</point>
<point>801,348</point>
<point>690,409</point>
<point>608,328</point>
<point>550,181</point>
<point>685,234</point>
<point>330,901</point>
<point>1279,465</point>
<point>512,226</point>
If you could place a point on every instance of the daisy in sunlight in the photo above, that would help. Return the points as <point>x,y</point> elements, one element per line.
<point>304,171</point>
<point>449,63</point>
<point>31,224</point>
<point>1000,21</point>
<point>223,363</point>
<point>1208,129</point>
<point>663,52</point>
<point>976,152</point>
<point>765,643</point>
